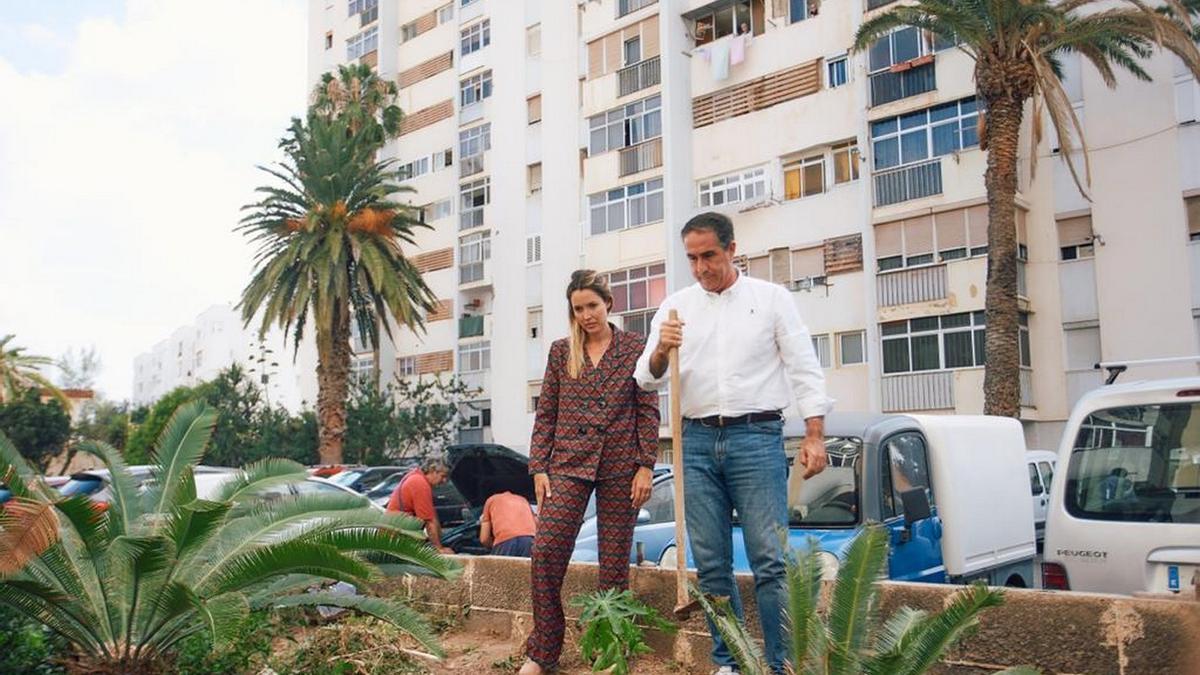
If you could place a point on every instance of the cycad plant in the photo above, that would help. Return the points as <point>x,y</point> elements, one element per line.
<point>126,584</point>
<point>849,638</point>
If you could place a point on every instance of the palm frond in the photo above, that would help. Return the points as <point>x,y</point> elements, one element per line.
<point>893,641</point>
<point>28,528</point>
<point>396,545</point>
<point>224,616</point>
<point>258,475</point>
<point>286,557</point>
<point>804,589</point>
<point>53,610</point>
<point>852,608</point>
<point>16,473</point>
<point>126,504</point>
<point>937,633</point>
<point>741,646</point>
<point>180,446</point>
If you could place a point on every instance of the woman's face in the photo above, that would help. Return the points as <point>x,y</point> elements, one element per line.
<point>590,311</point>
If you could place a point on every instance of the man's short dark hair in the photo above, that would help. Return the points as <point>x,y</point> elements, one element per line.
<point>710,221</point>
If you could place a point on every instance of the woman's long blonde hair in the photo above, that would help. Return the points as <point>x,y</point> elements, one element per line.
<point>582,280</point>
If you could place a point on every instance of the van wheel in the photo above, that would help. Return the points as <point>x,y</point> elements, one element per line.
<point>1015,581</point>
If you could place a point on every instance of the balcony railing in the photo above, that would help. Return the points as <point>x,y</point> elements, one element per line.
<point>888,86</point>
<point>918,391</point>
<point>469,166</point>
<point>639,76</point>
<point>626,6</point>
<point>470,326</point>
<point>904,287</point>
<point>908,182</point>
<point>641,157</point>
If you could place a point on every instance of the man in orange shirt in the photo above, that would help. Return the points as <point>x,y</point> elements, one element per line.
<point>507,525</point>
<point>414,496</point>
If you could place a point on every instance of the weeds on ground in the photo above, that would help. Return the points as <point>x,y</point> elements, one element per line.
<point>353,646</point>
<point>611,631</point>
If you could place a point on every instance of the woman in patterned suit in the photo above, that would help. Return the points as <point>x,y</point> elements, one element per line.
<point>595,430</point>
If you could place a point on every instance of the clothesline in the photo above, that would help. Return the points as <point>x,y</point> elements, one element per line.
<point>723,53</point>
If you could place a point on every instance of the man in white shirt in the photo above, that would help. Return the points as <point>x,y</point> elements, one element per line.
<point>744,355</point>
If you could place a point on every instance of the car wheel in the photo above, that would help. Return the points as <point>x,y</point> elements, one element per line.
<point>669,558</point>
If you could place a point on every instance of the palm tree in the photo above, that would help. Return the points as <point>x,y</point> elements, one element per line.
<point>330,246</point>
<point>20,371</point>
<point>849,638</point>
<point>1016,45</point>
<point>125,585</point>
<point>360,97</point>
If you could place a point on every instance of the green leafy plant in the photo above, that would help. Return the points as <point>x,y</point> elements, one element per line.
<point>127,584</point>
<point>612,623</point>
<point>849,639</point>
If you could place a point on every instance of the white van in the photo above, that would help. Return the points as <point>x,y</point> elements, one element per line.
<point>1041,465</point>
<point>1124,515</point>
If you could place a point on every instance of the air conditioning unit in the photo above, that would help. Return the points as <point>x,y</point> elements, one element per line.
<point>806,284</point>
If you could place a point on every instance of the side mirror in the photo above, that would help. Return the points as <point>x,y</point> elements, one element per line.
<point>916,506</point>
<point>643,517</point>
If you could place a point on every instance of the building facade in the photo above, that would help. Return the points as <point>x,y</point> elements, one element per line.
<point>546,135</point>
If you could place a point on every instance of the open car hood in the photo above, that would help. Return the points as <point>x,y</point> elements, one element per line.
<point>480,470</point>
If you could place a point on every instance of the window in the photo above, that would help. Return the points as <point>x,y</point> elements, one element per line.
<point>1077,251</point>
<point>821,347</point>
<point>628,206</point>
<point>733,18</point>
<point>533,41</point>
<point>535,394</point>
<point>533,107</point>
<point>1138,463</point>
<point>473,197</point>
<point>836,72</point>
<point>408,31</point>
<point>406,366</point>
<point>625,126</point>
<point>362,369</point>
<point>845,162</point>
<point>1192,205</point>
<point>475,357</point>
<point>803,178</point>
<point>417,167</point>
<point>474,89</point>
<point>637,293</point>
<point>533,249</point>
<point>908,469</point>
<point>329,40</point>
<point>464,3</point>
<point>896,47</point>
<point>445,13</point>
<point>632,51</point>
<point>473,251</point>
<point>799,10</point>
<point>533,177</point>
<point>942,343</point>
<point>533,321</point>
<point>474,142</point>
<point>438,210</point>
<point>1075,238</point>
<point>363,43</point>
<point>475,37</point>
<point>925,134</point>
<point>368,10</point>
<point>443,159</point>
<point>749,185</point>
<point>852,348</point>
<point>952,235</point>
<point>626,6</point>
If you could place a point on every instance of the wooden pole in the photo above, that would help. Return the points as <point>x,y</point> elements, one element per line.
<point>683,607</point>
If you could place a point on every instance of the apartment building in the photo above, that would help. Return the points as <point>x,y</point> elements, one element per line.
<point>199,351</point>
<point>545,135</point>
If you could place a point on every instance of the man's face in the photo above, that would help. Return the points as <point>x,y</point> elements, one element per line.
<point>436,478</point>
<point>712,265</point>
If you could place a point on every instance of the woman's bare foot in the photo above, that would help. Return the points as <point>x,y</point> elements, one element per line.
<point>531,667</point>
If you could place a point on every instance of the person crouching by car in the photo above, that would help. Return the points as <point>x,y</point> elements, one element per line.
<point>414,496</point>
<point>507,525</point>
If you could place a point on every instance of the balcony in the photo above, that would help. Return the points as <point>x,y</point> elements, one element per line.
<point>628,6</point>
<point>918,391</point>
<point>904,287</point>
<point>908,182</point>
<point>641,157</point>
<point>639,76</point>
<point>474,274</point>
<point>470,326</point>
<point>469,218</point>
<point>469,166</point>
<point>903,80</point>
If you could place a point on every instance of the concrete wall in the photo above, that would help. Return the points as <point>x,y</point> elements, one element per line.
<point>1055,632</point>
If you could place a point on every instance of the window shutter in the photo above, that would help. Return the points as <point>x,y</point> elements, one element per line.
<point>779,8</point>
<point>533,249</point>
<point>1072,231</point>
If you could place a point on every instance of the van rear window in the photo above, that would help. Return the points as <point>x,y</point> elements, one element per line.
<point>1138,464</point>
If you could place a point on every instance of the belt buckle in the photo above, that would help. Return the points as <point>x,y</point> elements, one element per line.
<point>721,421</point>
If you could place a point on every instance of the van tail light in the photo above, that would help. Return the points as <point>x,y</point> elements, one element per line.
<point>1054,577</point>
<point>1188,393</point>
<point>100,507</point>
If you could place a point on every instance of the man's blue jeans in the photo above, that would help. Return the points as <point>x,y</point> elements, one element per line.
<point>740,467</point>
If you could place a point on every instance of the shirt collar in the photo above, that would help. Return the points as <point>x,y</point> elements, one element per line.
<point>729,292</point>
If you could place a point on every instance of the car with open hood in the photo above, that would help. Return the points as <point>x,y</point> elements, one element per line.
<point>478,471</point>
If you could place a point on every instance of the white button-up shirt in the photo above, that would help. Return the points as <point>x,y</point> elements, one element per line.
<point>744,350</point>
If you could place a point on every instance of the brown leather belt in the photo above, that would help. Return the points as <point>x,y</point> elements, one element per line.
<point>718,421</point>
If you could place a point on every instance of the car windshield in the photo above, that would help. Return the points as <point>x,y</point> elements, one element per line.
<point>829,498</point>
<point>1137,463</point>
<point>386,487</point>
<point>81,486</point>
<point>345,477</point>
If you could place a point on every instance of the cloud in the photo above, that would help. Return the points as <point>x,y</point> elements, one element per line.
<point>122,174</point>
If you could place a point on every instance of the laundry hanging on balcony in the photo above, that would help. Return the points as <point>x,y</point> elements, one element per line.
<point>737,48</point>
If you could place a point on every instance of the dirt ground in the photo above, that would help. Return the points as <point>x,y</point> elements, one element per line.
<point>487,654</point>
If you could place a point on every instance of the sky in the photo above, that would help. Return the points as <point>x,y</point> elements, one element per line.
<point>129,135</point>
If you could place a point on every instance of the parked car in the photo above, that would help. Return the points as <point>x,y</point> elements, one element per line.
<point>654,531</point>
<point>95,482</point>
<point>1041,472</point>
<point>478,471</point>
<point>207,485</point>
<point>447,501</point>
<point>952,490</point>
<point>1124,512</point>
<point>361,480</point>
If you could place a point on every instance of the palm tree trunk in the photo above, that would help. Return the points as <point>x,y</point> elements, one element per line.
<point>333,373</point>
<point>1001,383</point>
